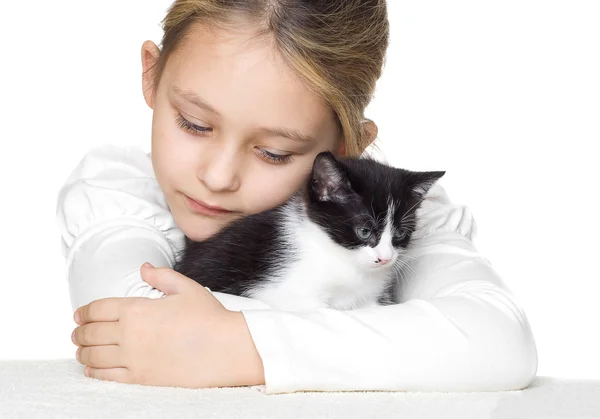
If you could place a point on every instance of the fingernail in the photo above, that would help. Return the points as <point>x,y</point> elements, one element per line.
<point>77,354</point>
<point>86,372</point>
<point>73,337</point>
<point>77,317</point>
<point>147,265</point>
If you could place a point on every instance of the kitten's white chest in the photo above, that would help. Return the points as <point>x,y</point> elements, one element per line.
<point>321,274</point>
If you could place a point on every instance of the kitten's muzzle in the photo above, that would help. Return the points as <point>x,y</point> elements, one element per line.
<point>382,262</point>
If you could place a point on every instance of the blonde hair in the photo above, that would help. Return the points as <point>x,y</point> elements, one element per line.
<point>337,47</point>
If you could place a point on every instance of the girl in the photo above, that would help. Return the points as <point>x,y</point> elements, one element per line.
<point>244,95</point>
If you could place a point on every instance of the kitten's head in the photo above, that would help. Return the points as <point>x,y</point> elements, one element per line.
<point>366,206</point>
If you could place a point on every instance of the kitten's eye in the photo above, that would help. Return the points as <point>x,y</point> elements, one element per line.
<point>400,234</point>
<point>363,233</point>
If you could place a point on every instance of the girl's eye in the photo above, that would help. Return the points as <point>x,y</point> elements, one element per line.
<point>200,130</point>
<point>363,233</point>
<point>274,158</point>
<point>191,128</point>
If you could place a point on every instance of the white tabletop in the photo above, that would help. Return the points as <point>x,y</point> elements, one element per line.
<point>58,389</point>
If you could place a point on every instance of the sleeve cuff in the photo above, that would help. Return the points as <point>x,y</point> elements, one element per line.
<point>276,355</point>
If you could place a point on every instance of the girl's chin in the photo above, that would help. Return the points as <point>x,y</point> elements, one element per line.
<point>201,230</point>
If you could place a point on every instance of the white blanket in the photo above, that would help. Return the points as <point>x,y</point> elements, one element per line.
<point>58,389</point>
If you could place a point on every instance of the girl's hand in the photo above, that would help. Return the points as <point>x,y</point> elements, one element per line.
<point>185,339</point>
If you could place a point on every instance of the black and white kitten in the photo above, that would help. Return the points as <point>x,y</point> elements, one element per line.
<point>337,243</point>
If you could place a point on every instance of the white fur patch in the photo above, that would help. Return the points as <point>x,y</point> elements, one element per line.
<point>327,274</point>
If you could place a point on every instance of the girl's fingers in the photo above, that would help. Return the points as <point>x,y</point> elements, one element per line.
<point>108,356</point>
<point>120,375</point>
<point>92,334</point>
<point>103,310</point>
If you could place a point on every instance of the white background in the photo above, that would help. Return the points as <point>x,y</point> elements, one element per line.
<point>504,96</point>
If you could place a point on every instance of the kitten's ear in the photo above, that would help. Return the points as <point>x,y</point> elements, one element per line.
<point>329,181</point>
<point>421,182</point>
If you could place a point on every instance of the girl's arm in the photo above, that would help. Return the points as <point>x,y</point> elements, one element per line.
<point>113,217</point>
<point>457,327</point>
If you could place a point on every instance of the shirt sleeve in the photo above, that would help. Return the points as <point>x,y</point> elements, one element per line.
<point>456,327</point>
<point>113,217</point>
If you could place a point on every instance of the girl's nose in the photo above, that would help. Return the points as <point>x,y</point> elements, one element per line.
<point>220,172</point>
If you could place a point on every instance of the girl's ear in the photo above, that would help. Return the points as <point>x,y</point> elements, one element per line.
<point>370,131</point>
<point>150,55</point>
<point>369,135</point>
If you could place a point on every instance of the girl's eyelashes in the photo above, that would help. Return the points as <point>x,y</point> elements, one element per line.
<point>200,130</point>
<point>274,158</point>
<point>191,128</point>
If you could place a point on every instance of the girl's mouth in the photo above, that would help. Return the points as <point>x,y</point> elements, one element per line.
<point>200,207</point>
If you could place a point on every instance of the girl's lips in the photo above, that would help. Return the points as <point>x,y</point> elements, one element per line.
<point>200,207</point>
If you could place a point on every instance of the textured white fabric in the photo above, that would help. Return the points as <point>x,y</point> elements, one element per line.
<point>457,326</point>
<point>44,389</point>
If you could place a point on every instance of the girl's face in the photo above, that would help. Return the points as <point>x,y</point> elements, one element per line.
<point>232,127</point>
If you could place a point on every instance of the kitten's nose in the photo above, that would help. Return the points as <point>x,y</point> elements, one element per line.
<point>382,261</point>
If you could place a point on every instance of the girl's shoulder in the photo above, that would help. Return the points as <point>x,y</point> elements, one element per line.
<point>113,186</point>
<point>437,213</point>
<point>110,160</point>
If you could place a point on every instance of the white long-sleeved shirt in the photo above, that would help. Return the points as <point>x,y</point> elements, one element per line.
<point>456,327</point>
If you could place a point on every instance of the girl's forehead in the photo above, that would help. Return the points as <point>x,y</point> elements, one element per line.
<point>227,60</point>
<point>245,78</point>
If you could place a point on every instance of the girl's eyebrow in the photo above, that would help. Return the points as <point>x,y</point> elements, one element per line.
<point>194,99</point>
<point>284,132</point>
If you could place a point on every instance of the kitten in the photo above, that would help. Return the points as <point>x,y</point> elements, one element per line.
<point>336,243</point>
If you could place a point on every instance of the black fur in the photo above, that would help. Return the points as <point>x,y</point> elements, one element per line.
<point>343,196</point>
